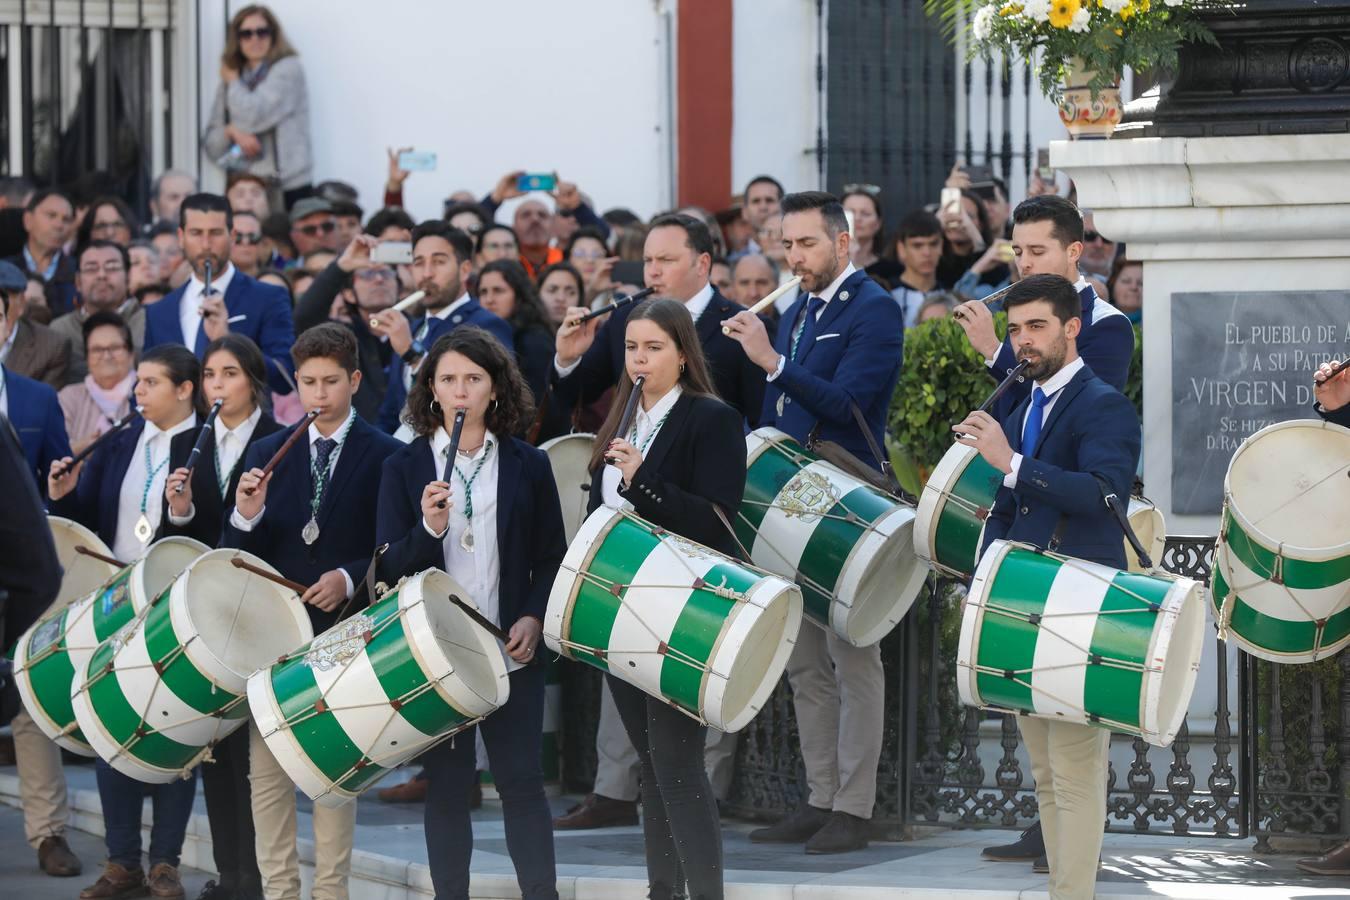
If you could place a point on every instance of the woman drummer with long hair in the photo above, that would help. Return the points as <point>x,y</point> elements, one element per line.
<point>488,515</point>
<point>679,464</point>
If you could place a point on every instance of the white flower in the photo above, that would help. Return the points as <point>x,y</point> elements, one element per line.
<point>1079,25</point>
<point>1037,10</point>
<point>983,24</point>
<point>1175,2</point>
<point>1115,6</point>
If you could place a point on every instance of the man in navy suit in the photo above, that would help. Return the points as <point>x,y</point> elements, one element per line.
<point>1332,394</point>
<point>441,265</point>
<point>1048,240</point>
<point>195,314</point>
<point>313,519</point>
<point>32,406</point>
<point>838,351</point>
<point>1073,439</point>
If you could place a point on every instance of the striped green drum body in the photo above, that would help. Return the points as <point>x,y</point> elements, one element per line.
<point>157,695</point>
<point>1281,583</point>
<point>81,574</point>
<point>51,656</point>
<point>682,622</point>
<point>378,688</point>
<point>952,508</point>
<point>1066,639</point>
<point>848,545</point>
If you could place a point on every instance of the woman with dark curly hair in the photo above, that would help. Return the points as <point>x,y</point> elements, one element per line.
<point>505,290</point>
<point>490,518</point>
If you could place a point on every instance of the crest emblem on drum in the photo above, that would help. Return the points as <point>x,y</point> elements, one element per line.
<point>340,644</point>
<point>113,597</point>
<point>46,634</point>
<point>809,495</point>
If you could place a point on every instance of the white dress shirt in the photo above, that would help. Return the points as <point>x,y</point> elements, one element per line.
<point>4,393</point>
<point>826,296</point>
<point>697,305</point>
<point>8,345</point>
<point>189,307</point>
<point>478,572</point>
<point>1100,309</point>
<point>230,443</point>
<point>134,492</point>
<point>1052,388</point>
<point>646,426</point>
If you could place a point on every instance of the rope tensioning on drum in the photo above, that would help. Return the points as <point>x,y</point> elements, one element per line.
<point>799,575</point>
<point>1094,718</point>
<point>1092,658</point>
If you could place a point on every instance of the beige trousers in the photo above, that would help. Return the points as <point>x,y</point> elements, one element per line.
<point>616,773</point>
<point>1069,763</point>
<point>273,800</point>
<point>839,693</point>
<point>42,782</point>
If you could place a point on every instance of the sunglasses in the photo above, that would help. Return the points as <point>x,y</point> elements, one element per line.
<point>246,34</point>
<point>248,239</point>
<point>312,230</point>
<point>1093,236</point>
<point>375,274</point>
<point>871,190</point>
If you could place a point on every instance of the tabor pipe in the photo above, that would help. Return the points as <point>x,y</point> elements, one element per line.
<point>455,431</point>
<point>270,576</point>
<point>1014,376</point>
<point>769,298</point>
<point>84,454</point>
<point>300,429</point>
<point>201,439</point>
<point>629,412</point>
<point>621,302</point>
<point>1336,369</point>
<point>406,303</point>
<point>85,551</point>
<point>988,301</point>
<point>206,286</point>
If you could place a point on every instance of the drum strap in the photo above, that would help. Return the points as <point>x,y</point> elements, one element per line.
<point>367,583</point>
<point>1122,519</point>
<point>836,454</point>
<point>745,554</point>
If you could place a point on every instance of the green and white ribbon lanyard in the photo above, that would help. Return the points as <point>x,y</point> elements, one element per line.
<point>651,435</point>
<point>143,530</point>
<point>319,484</point>
<point>222,476</point>
<point>466,539</point>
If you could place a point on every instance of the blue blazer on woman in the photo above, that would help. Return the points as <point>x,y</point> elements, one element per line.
<point>531,539</point>
<point>97,496</point>
<point>36,416</point>
<point>1092,431</point>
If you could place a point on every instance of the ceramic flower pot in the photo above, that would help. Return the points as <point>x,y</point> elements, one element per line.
<point>1086,116</point>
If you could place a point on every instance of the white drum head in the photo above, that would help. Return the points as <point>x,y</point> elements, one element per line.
<point>1151,530</point>
<point>759,642</point>
<point>460,654</point>
<point>570,457</point>
<point>83,574</point>
<point>162,563</point>
<point>1180,658</point>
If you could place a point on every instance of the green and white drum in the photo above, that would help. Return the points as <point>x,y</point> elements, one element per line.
<point>1281,583</point>
<point>378,688</point>
<point>702,631</point>
<point>957,499</point>
<point>846,543</point>
<point>81,573</point>
<point>162,691</point>
<point>570,458</point>
<point>1075,641</point>
<point>59,645</point>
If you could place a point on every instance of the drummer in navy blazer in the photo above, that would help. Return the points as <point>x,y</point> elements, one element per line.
<point>441,265</point>
<point>1074,439</point>
<point>500,536</point>
<point>837,355</point>
<point>236,302</point>
<point>313,519</point>
<point>1331,394</point>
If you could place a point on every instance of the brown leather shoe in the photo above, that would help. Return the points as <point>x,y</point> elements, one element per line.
<point>411,791</point>
<point>56,858</point>
<point>165,883</point>
<point>115,883</point>
<point>1335,861</point>
<point>598,811</point>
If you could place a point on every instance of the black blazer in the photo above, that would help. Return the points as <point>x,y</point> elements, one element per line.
<point>697,460</point>
<point>738,381</point>
<point>208,505</point>
<point>373,354</point>
<point>30,572</point>
<point>346,518</point>
<point>96,501</point>
<point>531,539</point>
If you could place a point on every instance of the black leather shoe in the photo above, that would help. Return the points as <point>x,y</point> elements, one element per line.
<point>1042,865</point>
<point>1334,862</point>
<point>1030,846</point>
<point>794,828</point>
<point>841,834</point>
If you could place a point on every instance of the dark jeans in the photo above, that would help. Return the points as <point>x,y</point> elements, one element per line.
<point>226,788</point>
<point>513,736</point>
<point>123,797</point>
<point>679,812</point>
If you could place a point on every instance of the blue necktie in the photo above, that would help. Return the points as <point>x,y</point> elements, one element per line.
<point>1031,432</point>
<point>806,334</point>
<point>324,448</point>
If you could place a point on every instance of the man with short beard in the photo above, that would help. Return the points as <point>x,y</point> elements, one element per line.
<point>442,261</point>
<point>196,314</point>
<point>101,278</point>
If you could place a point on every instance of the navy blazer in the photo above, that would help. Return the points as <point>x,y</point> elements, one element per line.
<point>1092,431</point>
<point>346,517</point>
<point>36,416</point>
<point>689,469</point>
<point>1106,346</point>
<point>855,358</point>
<point>1335,416</point>
<point>531,540</point>
<point>209,507</point>
<point>738,381</point>
<point>470,313</point>
<point>266,311</point>
<point>94,502</point>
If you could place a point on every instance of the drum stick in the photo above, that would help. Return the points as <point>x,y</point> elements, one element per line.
<point>454,447</point>
<point>988,301</point>
<point>482,620</point>
<point>116,427</point>
<point>201,439</point>
<point>622,301</point>
<point>285,448</point>
<point>270,576</point>
<point>629,412</point>
<point>406,303</point>
<point>85,551</point>
<point>770,298</point>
